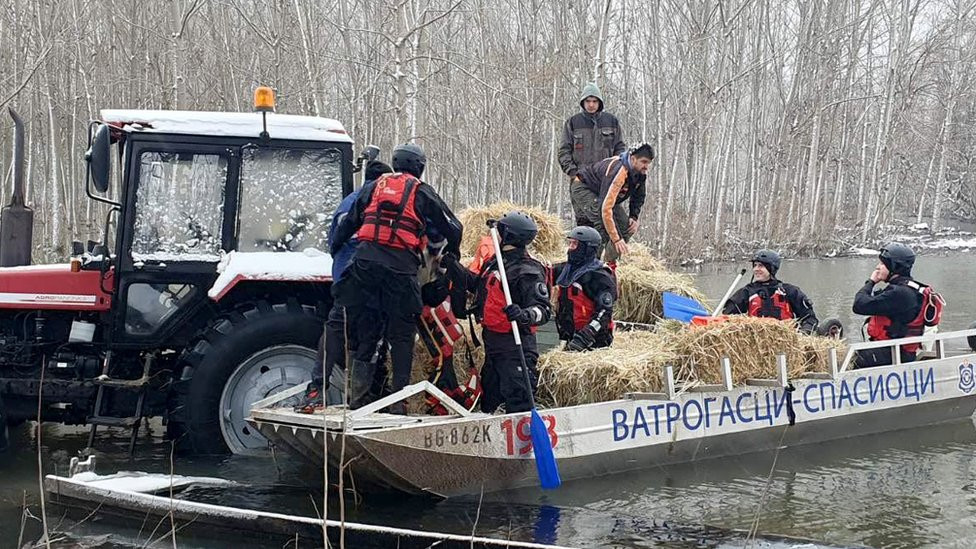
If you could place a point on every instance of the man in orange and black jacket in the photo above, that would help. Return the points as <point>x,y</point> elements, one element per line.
<point>598,193</point>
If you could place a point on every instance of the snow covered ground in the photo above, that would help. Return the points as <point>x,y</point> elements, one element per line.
<point>921,237</point>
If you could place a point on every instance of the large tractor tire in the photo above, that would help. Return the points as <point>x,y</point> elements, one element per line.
<point>255,351</point>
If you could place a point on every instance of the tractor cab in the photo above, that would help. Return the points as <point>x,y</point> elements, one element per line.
<point>133,326</point>
<point>194,186</point>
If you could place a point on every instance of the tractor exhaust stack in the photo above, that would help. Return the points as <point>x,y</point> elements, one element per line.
<point>16,219</point>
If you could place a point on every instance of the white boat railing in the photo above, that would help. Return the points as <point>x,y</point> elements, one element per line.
<point>671,387</point>
<point>835,367</point>
<point>938,339</point>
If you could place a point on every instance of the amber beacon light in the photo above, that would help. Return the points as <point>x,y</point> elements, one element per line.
<point>264,99</point>
<point>264,102</point>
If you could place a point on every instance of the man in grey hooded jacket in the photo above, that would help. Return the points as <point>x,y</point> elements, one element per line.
<point>591,135</point>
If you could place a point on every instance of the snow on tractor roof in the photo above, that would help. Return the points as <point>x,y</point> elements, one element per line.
<point>228,124</point>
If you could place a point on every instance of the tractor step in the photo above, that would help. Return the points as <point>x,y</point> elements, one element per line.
<point>130,384</point>
<point>108,421</point>
<point>106,382</point>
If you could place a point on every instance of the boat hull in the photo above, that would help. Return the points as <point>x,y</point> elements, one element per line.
<point>491,453</point>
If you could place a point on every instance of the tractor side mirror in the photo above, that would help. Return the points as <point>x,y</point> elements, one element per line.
<point>99,158</point>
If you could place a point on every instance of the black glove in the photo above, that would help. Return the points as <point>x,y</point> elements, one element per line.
<point>518,314</point>
<point>450,263</point>
<point>583,340</point>
<point>434,292</point>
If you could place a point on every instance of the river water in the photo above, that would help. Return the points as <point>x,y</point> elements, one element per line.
<point>903,489</point>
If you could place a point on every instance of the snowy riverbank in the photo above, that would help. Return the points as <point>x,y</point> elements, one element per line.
<point>846,242</point>
<point>921,238</point>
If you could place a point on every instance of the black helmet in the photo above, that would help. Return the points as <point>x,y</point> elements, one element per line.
<point>517,229</point>
<point>409,158</point>
<point>589,244</point>
<point>585,235</point>
<point>769,258</point>
<point>898,257</point>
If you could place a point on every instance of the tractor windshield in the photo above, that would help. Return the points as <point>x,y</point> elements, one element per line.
<point>287,198</point>
<point>179,206</point>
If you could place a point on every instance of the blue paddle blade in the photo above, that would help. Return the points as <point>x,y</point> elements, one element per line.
<point>545,461</point>
<point>682,308</point>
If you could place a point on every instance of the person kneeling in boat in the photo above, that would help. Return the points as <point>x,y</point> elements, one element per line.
<point>902,309</point>
<point>768,297</point>
<point>586,290</point>
<point>503,382</point>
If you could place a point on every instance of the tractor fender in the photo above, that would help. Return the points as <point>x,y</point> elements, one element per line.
<point>309,265</point>
<point>54,287</point>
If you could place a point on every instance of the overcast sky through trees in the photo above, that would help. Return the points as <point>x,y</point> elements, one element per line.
<point>800,124</point>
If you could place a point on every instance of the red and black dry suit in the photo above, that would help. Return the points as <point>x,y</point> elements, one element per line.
<point>390,220</point>
<point>501,376</point>
<point>585,298</point>
<point>895,312</point>
<point>773,299</point>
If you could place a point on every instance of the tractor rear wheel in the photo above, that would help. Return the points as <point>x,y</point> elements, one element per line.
<point>255,351</point>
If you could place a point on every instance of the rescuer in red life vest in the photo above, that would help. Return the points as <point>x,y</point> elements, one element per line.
<point>390,219</point>
<point>899,310</point>
<point>586,290</point>
<point>501,376</point>
<point>768,297</point>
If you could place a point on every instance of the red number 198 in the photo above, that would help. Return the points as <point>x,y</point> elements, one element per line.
<point>518,436</point>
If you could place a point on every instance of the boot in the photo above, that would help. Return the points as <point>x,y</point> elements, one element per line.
<point>360,381</point>
<point>311,401</point>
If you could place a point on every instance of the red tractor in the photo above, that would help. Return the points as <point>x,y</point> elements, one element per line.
<point>206,293</point>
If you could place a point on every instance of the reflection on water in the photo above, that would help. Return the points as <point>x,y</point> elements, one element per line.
<point>912,488</point>
<point>904,489</point>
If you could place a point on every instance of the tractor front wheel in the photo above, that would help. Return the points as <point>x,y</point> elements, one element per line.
<point>244,356</point>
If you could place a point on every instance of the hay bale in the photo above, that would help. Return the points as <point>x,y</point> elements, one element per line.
<point>643,279</point>
<point>640,256</point>
<point>752,345</point>
<point>549,244</point>
<point>632,364</point>
<point>816,350</point>
<point>635,361</point>
<point>642,290</point>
